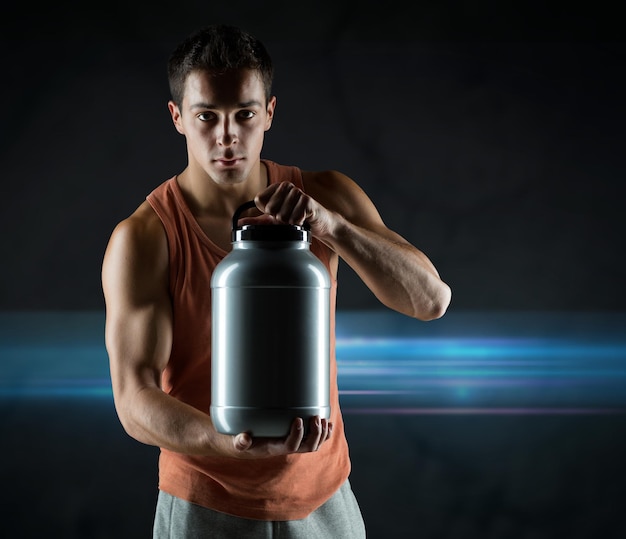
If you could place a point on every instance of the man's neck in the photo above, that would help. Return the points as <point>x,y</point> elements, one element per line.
<point>205,196</point>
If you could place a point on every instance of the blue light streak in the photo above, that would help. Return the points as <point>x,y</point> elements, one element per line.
<point>382,368</point>
<point>481,375</point>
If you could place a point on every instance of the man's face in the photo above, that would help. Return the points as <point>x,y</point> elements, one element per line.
<point>224,119</point>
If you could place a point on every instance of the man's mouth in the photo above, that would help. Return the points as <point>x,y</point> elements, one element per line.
<point>230,162</point>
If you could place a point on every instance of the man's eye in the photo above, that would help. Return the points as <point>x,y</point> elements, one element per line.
<point>206,116</point>
<point>246,114</point>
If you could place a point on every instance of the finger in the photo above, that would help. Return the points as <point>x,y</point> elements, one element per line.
<point>312,441</point>
<point>278,202</point>
<point>296,434</point>
<point>264,219</point>
<point>272,198</point>
<point>264,196</point>
<point>242,442</point>
<point>293,207</point>
<point>300,212</point>
<point>288,204</point>
<point>325,431</point>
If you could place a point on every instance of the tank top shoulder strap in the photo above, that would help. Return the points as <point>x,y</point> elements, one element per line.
<point>283,173</point>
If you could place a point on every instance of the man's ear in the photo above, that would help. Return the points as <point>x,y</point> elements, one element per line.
<point>271,107</point>
<point>176,116</point>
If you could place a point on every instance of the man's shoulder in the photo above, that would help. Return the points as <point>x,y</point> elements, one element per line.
<point>337,192</point>
<point>321,184</point>
<point>136,253</point>
<point>145,218</point>
<point>143,226</point>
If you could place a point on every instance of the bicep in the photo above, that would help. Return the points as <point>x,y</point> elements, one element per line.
<point>138,311</point>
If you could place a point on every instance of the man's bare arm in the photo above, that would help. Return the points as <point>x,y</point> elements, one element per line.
<point>342,216</point>
<point>139,338</point>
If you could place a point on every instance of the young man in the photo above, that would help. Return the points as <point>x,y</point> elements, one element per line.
<point>156,274</point>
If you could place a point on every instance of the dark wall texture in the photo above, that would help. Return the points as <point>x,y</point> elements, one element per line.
<point>490,134</point>
<point>493,140</point>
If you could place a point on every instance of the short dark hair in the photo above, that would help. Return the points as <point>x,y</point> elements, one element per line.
<point>218,48</point>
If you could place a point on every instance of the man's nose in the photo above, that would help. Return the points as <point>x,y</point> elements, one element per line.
<point>227,133</point>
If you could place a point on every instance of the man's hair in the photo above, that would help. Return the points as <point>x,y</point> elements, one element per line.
<point>217,49</point>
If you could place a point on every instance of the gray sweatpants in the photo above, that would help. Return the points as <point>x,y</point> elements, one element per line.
<point>340,518</point>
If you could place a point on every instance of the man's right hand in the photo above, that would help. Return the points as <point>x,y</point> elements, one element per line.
<point>320,430</point>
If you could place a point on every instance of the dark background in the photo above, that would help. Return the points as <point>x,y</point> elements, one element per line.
<point>491,137</point>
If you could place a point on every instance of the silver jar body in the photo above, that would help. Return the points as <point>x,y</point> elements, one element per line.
<point>270,347</point>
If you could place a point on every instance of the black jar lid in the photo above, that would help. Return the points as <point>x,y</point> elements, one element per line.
<point>271,233</point>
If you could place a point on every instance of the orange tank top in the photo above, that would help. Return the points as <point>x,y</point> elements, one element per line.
<point>276,488</point>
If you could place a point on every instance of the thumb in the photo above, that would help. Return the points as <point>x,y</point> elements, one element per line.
<point>242,441</point>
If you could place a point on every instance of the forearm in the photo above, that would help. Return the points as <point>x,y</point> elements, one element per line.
<point>155,418</point>
<point>398,274</point>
